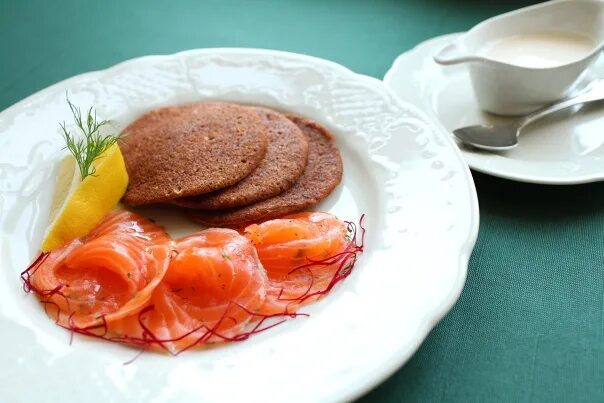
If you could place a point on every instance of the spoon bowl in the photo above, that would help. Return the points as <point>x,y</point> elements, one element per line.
<point>487,137</point>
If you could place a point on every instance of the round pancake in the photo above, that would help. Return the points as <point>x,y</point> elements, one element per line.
<point>190,150</point>
<point>322,174</point>
<point>283,163</point>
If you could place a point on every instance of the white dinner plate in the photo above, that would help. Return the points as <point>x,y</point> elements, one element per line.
<point>400,169</point>
<point>566,148</point>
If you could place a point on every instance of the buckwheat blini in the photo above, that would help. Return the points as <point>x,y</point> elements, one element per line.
<point>322,174</point>
<point>190,150</point>
<point>283,164</point>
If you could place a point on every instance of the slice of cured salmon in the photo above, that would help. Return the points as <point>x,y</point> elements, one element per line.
<point>303,254</point>
<point>210,292</point>
<point>104,276</point>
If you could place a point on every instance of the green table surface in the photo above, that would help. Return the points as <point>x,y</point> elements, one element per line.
<point>529,325</point>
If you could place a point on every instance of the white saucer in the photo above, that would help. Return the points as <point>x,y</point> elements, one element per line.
<point>567,148</point>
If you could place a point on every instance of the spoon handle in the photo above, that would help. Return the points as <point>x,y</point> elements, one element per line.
<point>595,92</point>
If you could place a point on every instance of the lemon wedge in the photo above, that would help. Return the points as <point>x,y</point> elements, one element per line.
<point>79,205</point>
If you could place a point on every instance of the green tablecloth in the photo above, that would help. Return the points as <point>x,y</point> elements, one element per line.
<point>529,325</point>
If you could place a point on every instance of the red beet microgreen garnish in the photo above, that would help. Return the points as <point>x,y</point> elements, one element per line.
<point>343,261</point>
<point>43,295</point>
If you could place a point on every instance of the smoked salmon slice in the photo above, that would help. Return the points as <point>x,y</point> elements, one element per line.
<point>104,276</point>
<point>303,254</point>
<point>210,292</point>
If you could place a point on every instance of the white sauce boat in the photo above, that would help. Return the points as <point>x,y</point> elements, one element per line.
<point>515,86</point>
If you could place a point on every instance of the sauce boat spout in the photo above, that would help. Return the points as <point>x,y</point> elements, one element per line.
<point>454,53</point>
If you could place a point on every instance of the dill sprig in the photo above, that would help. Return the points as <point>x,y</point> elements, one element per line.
<point>88,146</point>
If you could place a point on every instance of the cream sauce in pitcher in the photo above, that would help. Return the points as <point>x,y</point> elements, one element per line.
<point>538,50</point>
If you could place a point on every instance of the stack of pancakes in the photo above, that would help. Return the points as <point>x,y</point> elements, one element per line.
<point>229,164</point>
